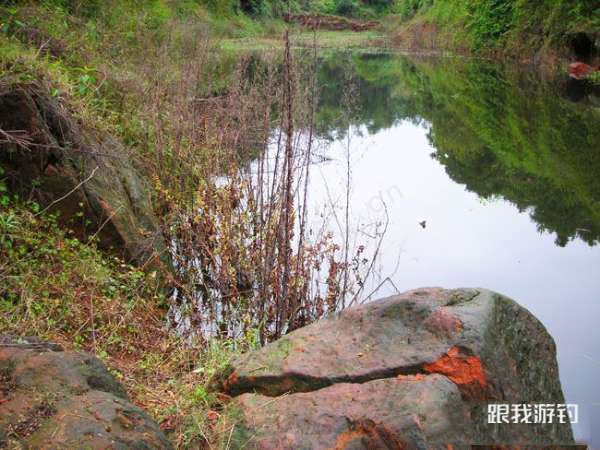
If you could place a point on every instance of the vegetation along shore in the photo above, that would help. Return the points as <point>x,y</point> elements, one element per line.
<point>157,168</point>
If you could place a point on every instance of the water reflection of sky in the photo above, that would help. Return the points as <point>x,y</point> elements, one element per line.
<point>468,242</point>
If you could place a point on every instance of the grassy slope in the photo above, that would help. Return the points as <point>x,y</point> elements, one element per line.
<point>58,288</point>
<point>55,287</point>
<point>94,58</point>
<point>520,27</point>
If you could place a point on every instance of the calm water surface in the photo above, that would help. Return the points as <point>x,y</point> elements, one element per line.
<point>504,169</point>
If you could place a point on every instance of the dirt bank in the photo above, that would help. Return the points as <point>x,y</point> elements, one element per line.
<point>334,23</point>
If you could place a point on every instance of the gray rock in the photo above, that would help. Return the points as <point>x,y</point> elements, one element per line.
<point>434,355</point>
<point>391,413</point>
<point>54,399</point>
<point>74,169</point>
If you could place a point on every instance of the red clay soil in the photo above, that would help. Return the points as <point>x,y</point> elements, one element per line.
<point>579,70</point>
<point>323,22</point>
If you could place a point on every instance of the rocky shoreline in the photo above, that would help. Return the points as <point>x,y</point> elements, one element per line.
<point>413,371</point>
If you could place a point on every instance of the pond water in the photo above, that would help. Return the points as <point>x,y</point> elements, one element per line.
<point>490,178</point>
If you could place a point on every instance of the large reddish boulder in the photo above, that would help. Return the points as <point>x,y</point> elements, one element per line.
<point>411,371</point>
<point>384,413</point>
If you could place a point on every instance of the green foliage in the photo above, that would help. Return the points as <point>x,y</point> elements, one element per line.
<point>324,6</point>
<point>221,7</point>
<point>104,58</point>
<point>490,20</point>
<point>365,9</point>
<point>4,195</point>
<point>409,8</point>
<point>49,279</point>
<point>347,7</point>
<point>10,22</point>
<point>506,24</point>
<point>85,8</point>
<point>61,289</point>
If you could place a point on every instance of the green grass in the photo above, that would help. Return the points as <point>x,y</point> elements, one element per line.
<point>507,26</point>
<point>66,291</point>
<point>447,13</point>
<point>51,280</point>
<point>305,39</point>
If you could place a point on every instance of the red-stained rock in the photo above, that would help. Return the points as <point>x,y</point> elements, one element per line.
<point>466,371</point>
<point>407,371</point>
<point>443,323</point>
<point>579,70</point>
<point>389,414</point>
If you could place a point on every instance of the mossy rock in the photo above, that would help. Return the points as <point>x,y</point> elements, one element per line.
<point>89,178</point>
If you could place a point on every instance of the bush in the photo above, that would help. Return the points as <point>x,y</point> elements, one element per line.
<point>324,6</point>
<point>347,7</point>
<point>408,8</point>
<point>490,20</point>
<point>84,8</point>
